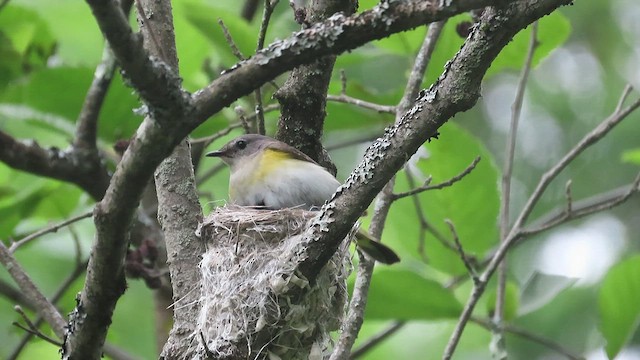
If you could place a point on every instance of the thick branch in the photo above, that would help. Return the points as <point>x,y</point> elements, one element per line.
<point>516,231</point>
<point>355,316</point>
<point>173,119</point>
<point>333,36</point>
<point>87,123</point>
<point>457,90</point>
<point>303,97</point>
<point>54,163</point>
<point>156,83</point>
<point>179,213</point>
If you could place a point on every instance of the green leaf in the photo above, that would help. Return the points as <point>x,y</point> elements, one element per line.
<point>540,289</point>
<point>341,116</point>
<point>57,91</point>
<point>205,19</point>
<point>631,156</point>
<point>25,42</point>
<point>472,203</point>
<point>52,97</point>
<point>619,304</point>
<point>403,43</point>
<point>19,203</point>
<point>78,38</point>
<point>553,31</point>
<point>511,301</point>
<point>406,295</point>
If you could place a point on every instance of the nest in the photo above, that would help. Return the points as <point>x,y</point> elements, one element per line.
<point>253,303</point>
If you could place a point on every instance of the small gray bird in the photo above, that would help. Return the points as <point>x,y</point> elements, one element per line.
<point>267,172</point>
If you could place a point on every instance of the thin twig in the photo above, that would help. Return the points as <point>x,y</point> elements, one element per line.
<point>583,208</point>
<point>465,259</point>
<point>269,6</point>
<point>420,65</point>
<point>568,197</point>
<point>517,229</point>
<point>77,245</point>
<point>44,307</point>
<point>206,141</point>
<point>211,172</point>
<point>376,339</point>
<point>32,328</point>
<point>591,138</point>
<point>235,50</point>
<point>242,116</point>
<point>362,103</point>
<point>625,94</point>
<point>426,186</point>
<point>343,82</point>
<point>351,142</point>
<point>425,225</point>
<point>232,44</point>
<point>385,199</point>
<point>12,294</point>
<point>500,351</point>
<point>47,230</point>
<point>87,123</point>
<point>57,295</point>
<point>344,98</point>
<point>355,314</point>
<point>548,343</point>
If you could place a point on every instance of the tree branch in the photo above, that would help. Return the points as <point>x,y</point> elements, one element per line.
<point>377,339</point>
<point>548,343</point>
<point>355,315</point>
<point>457,90</point>
<point>500,350</point>
<point>583,208</point>
<point>156,83</point>
<point>71,278</point>
<point>32,329</point>
<point>516,231</point>
<point>179,213</point>
<point>591,138</point>
<point>43,306</point>
<point>54,163</point>
<point>48,229</point>
<point>173,119</point>
<point>427,186</point>
<point>362,103</point>
<point>303,97</point>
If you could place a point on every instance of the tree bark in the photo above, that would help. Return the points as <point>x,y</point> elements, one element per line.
<point>303,97</point>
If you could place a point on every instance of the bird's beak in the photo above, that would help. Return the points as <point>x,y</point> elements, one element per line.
<point>217,153</point>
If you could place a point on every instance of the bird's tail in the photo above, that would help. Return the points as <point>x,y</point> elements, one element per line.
<point>375,249</point>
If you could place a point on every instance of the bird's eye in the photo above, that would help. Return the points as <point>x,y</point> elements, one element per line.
<point>241,144</point>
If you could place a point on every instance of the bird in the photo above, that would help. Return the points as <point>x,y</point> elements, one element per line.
<point>271,174</point>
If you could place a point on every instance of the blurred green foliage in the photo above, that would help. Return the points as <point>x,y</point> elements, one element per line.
<point>46,66</point>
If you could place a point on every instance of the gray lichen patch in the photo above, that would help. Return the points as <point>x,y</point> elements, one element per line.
<point>253,302</point>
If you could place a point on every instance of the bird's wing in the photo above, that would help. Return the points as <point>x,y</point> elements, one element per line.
<point>295,153</point>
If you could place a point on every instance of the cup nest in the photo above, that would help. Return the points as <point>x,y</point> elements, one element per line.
<point>253,302</point>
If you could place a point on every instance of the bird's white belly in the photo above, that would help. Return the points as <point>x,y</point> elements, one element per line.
<point>294,183</point>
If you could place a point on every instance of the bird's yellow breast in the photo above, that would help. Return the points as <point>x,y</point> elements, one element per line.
<point>255,174</point>
<point>271,160</point>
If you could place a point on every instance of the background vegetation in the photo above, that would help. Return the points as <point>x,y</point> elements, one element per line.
<point>576,285</point>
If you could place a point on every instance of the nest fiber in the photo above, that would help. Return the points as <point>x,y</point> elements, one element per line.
<point>253,303</point>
